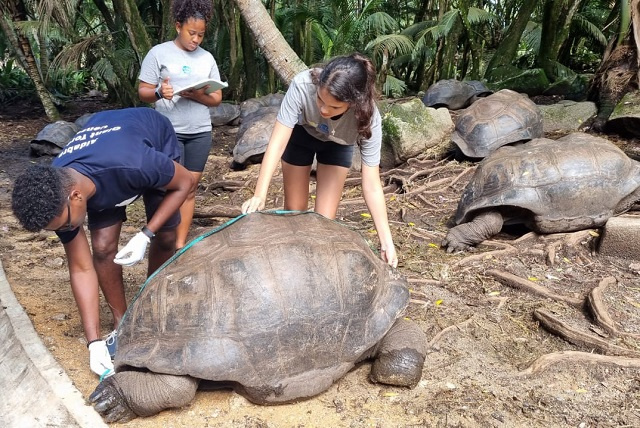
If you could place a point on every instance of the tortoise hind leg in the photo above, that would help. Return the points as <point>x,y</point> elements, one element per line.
<point>128,394</point>
<point>400,355</point>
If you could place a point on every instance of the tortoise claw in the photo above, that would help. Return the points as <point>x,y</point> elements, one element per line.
<point>109,402</point>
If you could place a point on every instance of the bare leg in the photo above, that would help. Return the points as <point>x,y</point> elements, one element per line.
<point>105,246</point>
<point>186,212</point>
<point>330,182</point>
<point>296,186</point>
<point>161,249</point>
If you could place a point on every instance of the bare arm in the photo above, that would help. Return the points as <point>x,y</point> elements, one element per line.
<point>374,198</point>
<point>84,283</point>
<point>277,143</point>
<point>147,91</point>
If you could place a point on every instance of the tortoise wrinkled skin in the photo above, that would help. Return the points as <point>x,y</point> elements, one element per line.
<point>277,305</point>
<point>502,118</point>
<point>576,182</point>
<point>454,94</point>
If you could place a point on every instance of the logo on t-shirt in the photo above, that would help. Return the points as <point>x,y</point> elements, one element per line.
<point>323,128</point>
<point>186,69</point>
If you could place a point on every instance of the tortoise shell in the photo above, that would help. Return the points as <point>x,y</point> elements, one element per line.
<point>59,133</point>
<point>266,299</point>
<point>454,94</point>
<point>501,118</point>
<point>575,182</point>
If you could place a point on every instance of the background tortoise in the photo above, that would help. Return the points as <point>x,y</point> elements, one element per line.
<point>575,182</point>
<point>501,118</point>
<point>52,138</point>
<point>278,305</point>
<point>454,94</point>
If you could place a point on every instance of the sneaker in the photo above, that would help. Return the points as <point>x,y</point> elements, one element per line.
<point>112,343</point>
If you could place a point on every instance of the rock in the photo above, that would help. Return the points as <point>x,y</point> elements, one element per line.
<point>567,115</point>
<point>409,128</point>
<point>621,237</point>
<point>625,119</point>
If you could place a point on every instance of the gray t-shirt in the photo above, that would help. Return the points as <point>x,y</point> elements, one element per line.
<point>299,107</point>
<point>183,68</point>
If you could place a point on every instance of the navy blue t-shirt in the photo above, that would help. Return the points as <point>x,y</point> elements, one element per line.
<point>124,152</point>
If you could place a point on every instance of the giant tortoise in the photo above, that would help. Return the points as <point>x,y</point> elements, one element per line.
<point>454,94</point>
<point>52,138</point>
<point>504,117</point>
<point>277,305</point>
<point>573,183</point>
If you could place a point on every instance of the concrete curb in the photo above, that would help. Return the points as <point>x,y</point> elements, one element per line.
<point>34,389</point>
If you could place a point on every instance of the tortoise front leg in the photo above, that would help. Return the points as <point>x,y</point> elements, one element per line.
<point>400,355</point>
<point>465,236</point>
<point>129,394</point>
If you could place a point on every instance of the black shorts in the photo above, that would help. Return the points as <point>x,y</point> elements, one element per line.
<point>151,198</point>
<point>194,150</point>
<point>302,147</point>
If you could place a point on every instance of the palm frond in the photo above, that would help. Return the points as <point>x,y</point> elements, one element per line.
<point>394,87</point>
<point>416,29</point>
<point>448,22</point>
<point>532,35</point>
<point>380,23</point>
<point>104,69</point>
<point>72,54</point>
<point>394,44</point>
<point>480,16</point>
<point>589,29</point>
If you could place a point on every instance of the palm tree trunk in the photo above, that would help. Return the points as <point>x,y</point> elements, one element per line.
<point>135,28</point>
<point>275,48</point>
<point>557,16</point>
<point>508,47</point>
<point>20,44</point>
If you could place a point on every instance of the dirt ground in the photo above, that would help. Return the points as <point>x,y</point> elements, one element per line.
<point>491,363</point>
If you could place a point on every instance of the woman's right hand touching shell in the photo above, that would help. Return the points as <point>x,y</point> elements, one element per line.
<point>256,203</point>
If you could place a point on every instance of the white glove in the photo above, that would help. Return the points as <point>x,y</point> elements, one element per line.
<point>133,252</point>
<point>99,359</point>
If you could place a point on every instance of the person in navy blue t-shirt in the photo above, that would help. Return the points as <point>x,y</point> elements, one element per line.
<point>117,157</point>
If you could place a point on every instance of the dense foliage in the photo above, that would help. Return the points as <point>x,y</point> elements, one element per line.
<point>78,45</point>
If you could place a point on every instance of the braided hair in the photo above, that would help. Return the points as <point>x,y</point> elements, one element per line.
<point>351,79</point>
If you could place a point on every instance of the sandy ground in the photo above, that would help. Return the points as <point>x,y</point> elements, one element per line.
<point>490,362</point>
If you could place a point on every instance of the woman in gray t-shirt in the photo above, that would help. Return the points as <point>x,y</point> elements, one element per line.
<point>325,113</point>
<point>178,64</point>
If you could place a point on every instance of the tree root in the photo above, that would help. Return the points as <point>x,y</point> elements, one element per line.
<point>568,240</point>
<point>545,361</point>
<point>597,308</point>
<point>445,330</point>
<point>230,185</point>
<point>505,250</point>
<point>424,281</point>
<point>531,287</point>
<point>579,338</point>
<point>217,211</point>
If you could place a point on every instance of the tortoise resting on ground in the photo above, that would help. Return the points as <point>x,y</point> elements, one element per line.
<point>502,118</point>
<point>573,183</point>
<point>454,94</point>
<point>277,306</point>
